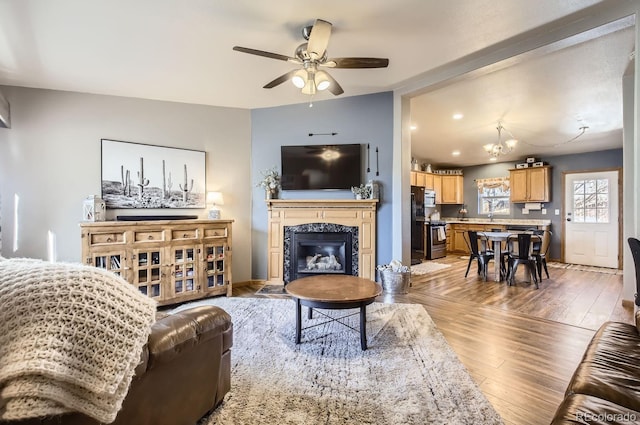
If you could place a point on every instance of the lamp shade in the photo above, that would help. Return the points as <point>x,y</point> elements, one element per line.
<point>215,198</point>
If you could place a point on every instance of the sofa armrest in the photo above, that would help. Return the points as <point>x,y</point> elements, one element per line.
<point>177,332</point>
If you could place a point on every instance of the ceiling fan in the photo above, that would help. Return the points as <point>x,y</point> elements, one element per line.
<point>312,55</point>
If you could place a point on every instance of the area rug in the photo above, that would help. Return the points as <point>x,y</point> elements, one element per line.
<point>409,374</point>
<point>583,268</point>
<point>428,267</point>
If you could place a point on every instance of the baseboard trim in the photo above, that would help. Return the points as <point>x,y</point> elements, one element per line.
<point>249,282</point>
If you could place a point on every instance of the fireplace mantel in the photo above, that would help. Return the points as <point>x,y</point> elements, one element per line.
<point>294,212</point>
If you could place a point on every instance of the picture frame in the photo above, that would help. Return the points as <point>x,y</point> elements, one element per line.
<point>136,175</point>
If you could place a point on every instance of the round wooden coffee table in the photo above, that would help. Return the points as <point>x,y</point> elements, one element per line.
<point>333,292</point>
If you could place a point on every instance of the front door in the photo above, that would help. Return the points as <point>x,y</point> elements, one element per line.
<point>591,235</point>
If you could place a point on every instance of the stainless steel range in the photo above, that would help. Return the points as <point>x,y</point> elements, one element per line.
<point>435,240</point>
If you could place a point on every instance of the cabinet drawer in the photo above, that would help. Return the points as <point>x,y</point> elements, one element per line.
<point>215,233</point>
<point>184,234</point>
<point>106,238</point>
<point>148,236</point>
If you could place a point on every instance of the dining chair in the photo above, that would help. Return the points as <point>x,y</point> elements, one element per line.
<point>521,254</point>
<point>475,253</point>
<point>634,244</point>
<point>540,251</point>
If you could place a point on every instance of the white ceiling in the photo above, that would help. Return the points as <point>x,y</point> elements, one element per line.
<point>181,51</point>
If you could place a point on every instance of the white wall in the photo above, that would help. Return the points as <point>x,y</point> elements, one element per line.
<point>51,159</point>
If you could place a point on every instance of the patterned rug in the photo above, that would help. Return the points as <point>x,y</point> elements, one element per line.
<point>428,267</point>
<point>583,268</point>
<point>272,290</point>
<point>409,374</point>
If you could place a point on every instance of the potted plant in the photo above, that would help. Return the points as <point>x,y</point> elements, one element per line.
<point>270,182</point>
<point>362,191</point>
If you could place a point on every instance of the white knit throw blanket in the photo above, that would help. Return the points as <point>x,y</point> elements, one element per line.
<point>70,339</point>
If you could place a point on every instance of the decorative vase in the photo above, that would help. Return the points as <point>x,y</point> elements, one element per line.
<point>272,193</point>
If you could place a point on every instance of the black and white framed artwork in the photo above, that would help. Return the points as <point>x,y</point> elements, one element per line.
<point>136,175</point>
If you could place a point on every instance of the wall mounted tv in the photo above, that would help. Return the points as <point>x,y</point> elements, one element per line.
<point>321,167</point>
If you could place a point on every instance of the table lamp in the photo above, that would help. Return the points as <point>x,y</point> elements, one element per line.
<point>214,198</point>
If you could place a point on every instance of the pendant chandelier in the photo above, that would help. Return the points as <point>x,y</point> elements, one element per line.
<point>501,147</point>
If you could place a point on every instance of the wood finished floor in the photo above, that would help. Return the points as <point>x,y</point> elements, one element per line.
<point>521,345</point>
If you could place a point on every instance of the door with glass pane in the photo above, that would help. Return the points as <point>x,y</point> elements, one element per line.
<point>215,260</point>
<point>114,261</point>
<point>184,279</point>
<point>591,235</point>
<point>147,271</point>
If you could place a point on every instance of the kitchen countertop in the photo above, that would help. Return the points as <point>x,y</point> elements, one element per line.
<point>484,220</point>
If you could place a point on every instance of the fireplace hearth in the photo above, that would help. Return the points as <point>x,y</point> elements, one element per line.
<point>320,248</point>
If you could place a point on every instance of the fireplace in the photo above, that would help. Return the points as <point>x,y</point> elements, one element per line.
<point>320,248</point>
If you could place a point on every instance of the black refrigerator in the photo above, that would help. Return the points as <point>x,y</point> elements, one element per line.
<point>417,224</point>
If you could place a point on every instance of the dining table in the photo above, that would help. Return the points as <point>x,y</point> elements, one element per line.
<point>497,238</point>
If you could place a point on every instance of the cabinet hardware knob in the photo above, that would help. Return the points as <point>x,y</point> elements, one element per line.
<point>150,237</point>
<point>184,236</point>
<point>109,240</point>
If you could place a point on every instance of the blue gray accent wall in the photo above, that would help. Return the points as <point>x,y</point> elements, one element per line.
<point>359,119</point>
<point>564,163</point>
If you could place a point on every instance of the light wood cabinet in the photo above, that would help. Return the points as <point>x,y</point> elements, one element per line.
<point>437,187</point>
<point>422,179</point>
<point>530,184</point>
<point>452,188</point>
<point>170,261</point>
<point>429,181</point>
<point>458,234</point>
<point>449,188</point>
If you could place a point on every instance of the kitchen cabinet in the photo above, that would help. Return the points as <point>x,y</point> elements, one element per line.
<point>437,187</point>
<point>449,188</point>
<point>452,189</point>
<point>422,179</point>
<point>530,184</point>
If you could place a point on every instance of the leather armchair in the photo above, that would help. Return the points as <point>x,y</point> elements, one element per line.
<point>184,373</point>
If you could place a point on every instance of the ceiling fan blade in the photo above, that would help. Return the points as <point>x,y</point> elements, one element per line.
<point>334,87</point>
<point>281,79</point>
<point>356,63</point>
<point>263,53</point>
<point>319,39</point>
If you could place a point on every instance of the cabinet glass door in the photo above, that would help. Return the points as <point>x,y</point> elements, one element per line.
<point>112,261</point>
<point>147,273</point>
<point>183,274</point>
<point>215,265</point>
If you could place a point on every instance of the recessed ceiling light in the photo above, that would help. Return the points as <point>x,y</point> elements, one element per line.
<point>455,153</point>
<point>493,159</point>
<point>413,127</point>
<point>457,116</point>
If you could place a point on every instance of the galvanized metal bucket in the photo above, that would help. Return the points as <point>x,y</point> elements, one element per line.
<point>395,282</point>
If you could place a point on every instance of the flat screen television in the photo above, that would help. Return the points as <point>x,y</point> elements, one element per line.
<point>321,167</point>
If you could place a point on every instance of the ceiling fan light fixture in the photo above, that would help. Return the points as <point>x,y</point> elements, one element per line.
<point>299,79</point>
<point>310,87</point>
<point>322,80</point>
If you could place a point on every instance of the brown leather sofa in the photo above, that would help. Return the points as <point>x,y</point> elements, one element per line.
<point>184,373</point>
<point>605,388</point>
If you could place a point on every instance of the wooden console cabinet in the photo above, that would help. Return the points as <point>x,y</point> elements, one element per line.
<point>170,261</point>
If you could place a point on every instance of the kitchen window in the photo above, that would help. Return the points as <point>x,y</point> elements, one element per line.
<point>493,196</point>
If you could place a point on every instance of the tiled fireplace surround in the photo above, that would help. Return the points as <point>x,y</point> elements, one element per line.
<point>288,216</point>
